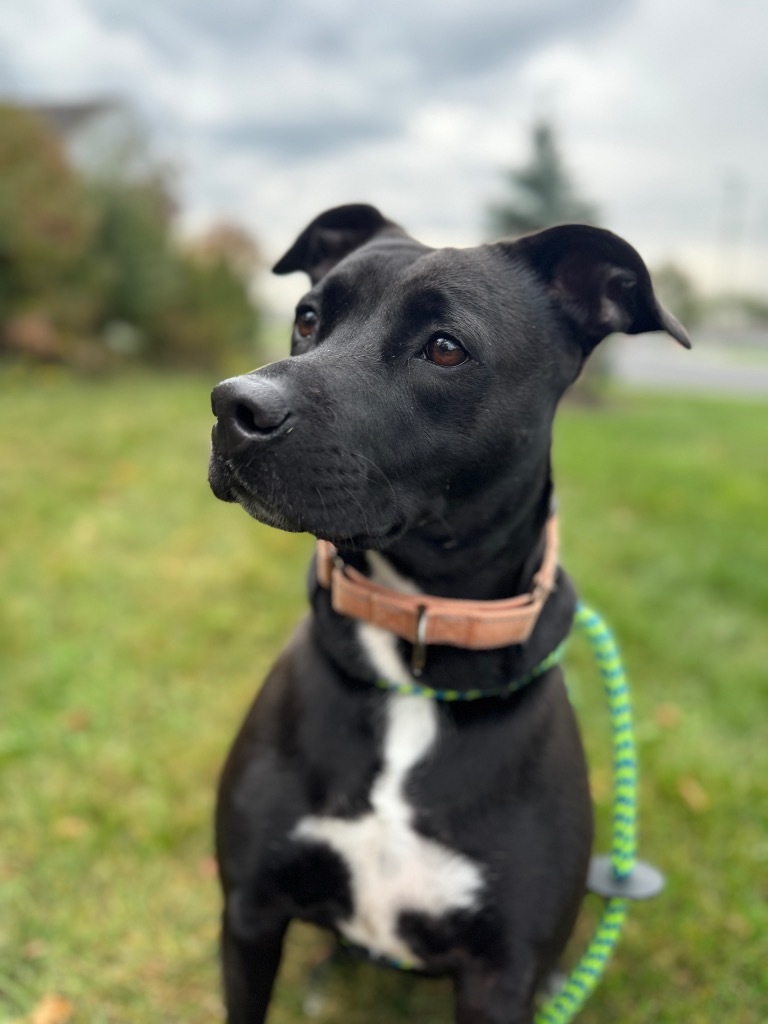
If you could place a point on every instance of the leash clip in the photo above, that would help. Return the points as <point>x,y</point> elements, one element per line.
<point>540,589</point>
<point>419,652</point>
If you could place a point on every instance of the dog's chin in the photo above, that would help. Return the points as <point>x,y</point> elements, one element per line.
<point>221,490</point>
<point>219,478</point>
<point>347,538</point>
<point>262,513</point>
<point>343,540</point>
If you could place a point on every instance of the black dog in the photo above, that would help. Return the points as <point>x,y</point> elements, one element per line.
<point>411,429</point>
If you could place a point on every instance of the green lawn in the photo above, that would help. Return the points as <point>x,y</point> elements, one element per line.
<point>139,614</point>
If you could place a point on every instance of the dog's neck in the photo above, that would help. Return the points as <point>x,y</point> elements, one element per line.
<point>487,555</point>
<point>481,564</point>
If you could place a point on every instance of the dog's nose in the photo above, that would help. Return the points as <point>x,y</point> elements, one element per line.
<point>248,408</point>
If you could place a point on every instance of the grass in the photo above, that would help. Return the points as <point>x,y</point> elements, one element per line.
<point>139,615</point>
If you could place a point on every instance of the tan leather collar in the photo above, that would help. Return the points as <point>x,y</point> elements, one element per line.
<point>423,620</point>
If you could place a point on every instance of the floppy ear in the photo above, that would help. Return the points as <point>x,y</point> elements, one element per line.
<point>598,280</point>
<point>332,236</point>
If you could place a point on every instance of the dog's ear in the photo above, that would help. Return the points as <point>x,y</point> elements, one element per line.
<point>332,236</point>
<point>598,280</point>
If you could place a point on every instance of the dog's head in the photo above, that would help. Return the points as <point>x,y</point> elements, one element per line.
<point>422,382</point>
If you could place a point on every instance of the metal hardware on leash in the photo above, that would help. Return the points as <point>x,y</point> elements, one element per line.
<point>419,652</point>
<point>643,883</point>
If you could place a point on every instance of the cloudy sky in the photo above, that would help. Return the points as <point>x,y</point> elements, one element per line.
<point>272,110</point>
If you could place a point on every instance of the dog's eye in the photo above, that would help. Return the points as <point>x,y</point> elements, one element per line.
<point>442,350</point>
<point>306,323</point>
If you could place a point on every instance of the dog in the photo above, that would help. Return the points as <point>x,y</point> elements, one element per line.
<point>410,432</point>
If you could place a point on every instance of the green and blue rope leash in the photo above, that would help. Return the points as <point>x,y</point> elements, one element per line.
<point>619,877</point>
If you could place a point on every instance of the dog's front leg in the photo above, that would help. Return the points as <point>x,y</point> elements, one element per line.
<point>495,997</point>
<point>250,962</point>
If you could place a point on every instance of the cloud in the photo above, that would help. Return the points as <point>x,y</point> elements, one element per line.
<point>273,110</point>
<point>293,77</point>
<point>441,39</point>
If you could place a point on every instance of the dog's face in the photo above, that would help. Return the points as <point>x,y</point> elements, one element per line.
<point>422,383</point>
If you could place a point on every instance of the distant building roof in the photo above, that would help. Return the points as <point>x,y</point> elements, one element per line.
<point>67,118</point>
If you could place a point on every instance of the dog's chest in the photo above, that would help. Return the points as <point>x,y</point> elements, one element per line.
<point>393,869</point>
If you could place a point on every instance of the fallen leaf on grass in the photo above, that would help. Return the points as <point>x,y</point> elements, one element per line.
<point>668,716</point>
<point>34,950</point>
<point>70,827</point>
<point>207,868</point>
<point>78,720</point>
<point>52,1010</point>
<point>693,794</point>
<point>739,925</point>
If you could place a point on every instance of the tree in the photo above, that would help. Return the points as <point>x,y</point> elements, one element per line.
<point>91,268</point>
<point>134,247</point>
<point>229,244</point>
<point>543,192</point>
<point>543,195</point>
<point>189,305</point>
<point>47,224</point>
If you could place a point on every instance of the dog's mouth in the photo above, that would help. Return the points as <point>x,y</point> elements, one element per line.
<point>264,513</point>
<point>328,516</point>
<point>227,484</point>
<point>339,535</point>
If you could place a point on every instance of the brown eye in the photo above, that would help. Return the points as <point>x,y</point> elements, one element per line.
<point>306,322</point>
<point>444,351</point>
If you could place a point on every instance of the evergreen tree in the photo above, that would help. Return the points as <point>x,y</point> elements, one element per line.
<point>543,192</point>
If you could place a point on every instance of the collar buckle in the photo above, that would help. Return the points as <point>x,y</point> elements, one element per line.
<point>419,650</point>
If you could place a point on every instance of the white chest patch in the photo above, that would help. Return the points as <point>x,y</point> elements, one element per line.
<point>392,867</point>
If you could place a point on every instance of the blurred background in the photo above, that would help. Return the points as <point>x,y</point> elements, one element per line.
<point>155,161</point>
<point>179,147</point>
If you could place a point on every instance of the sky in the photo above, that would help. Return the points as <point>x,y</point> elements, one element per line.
<point>273,110</point>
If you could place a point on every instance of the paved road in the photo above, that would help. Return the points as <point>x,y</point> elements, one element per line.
<point>709,367</point>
